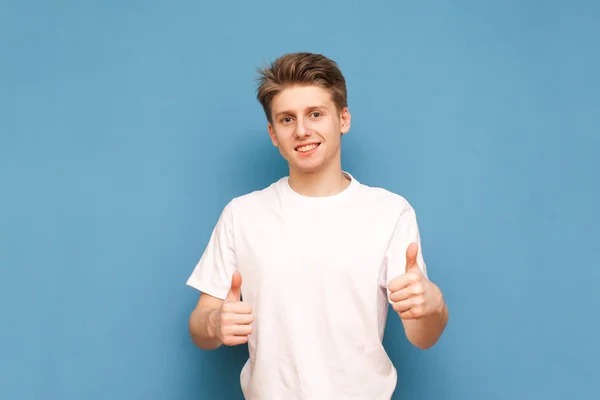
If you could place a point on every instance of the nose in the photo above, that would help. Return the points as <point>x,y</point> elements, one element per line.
<point>302,130</point>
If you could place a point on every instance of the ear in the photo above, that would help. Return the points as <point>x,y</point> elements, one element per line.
<point>272,135</point>
<point>345,119</point>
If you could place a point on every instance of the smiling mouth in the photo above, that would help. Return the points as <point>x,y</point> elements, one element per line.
<point>306,148</point>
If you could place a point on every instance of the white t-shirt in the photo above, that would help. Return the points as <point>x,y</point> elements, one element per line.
<point>315,271</point>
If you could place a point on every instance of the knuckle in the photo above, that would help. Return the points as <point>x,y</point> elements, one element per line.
<point>226,307</point>
<point>238,308</point>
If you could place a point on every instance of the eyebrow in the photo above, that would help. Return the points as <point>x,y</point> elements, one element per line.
<point>320,106</point>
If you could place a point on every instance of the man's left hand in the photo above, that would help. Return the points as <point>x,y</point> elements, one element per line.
<point>412,294</point>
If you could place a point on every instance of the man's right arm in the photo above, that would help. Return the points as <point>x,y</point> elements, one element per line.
<point>204,322</point>
<point>215,322</point>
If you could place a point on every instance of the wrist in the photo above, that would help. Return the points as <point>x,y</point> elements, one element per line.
<point>440,309</point>
<point>443,311</point>
<point>214,324</point>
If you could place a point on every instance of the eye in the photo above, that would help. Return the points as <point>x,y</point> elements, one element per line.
<point>315,114</point>
<point>286,120</point>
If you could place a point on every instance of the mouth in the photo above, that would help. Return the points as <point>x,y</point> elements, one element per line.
<point>306,148</point>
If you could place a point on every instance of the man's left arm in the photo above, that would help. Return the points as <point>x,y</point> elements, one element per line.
<point>419,303</point>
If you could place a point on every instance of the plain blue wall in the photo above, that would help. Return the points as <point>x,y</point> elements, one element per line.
<point>126,126</point>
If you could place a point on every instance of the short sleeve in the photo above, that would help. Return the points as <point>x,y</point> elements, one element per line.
<point>212,274</point>
<point>406,231</point>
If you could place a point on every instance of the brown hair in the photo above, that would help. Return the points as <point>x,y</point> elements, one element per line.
<point>300,69</point>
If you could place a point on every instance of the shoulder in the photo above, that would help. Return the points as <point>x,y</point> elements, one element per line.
<point>384,199</point>
<point>252,202</point>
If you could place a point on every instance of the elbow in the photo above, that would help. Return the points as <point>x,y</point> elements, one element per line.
<point>203,345</point>
<point>421,343</point>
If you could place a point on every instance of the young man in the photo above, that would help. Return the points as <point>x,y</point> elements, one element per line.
<point>316,257</point>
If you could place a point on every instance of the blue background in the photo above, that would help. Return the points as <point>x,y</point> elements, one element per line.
<point>126,126</point>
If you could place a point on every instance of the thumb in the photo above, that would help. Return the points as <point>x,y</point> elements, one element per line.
<point>411,256</point>
<point>236,285</point>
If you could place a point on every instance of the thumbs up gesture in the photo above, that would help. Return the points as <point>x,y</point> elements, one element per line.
<point>235,316</point>
<point>412,294</point>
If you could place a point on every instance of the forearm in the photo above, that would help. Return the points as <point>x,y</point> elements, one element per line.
<point>424,332</point>
<point>203,326</point>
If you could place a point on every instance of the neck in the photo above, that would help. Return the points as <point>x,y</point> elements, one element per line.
<point>325,182</point>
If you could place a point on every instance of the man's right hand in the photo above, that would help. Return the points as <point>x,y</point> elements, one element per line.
<point>235,316</point>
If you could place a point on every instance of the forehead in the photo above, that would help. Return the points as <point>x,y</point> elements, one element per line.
<point>300,97</point>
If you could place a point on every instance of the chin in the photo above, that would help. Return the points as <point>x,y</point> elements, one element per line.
<point>311,164</point>
<point>308,168</point>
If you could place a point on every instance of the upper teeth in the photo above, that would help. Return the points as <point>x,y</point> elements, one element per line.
<point>308,147</point>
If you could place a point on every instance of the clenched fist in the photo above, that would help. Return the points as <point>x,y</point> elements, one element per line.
<point>235,316</point>
<point>412,294</point>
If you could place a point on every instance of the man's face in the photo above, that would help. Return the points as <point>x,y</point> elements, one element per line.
<point>307,127</point>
